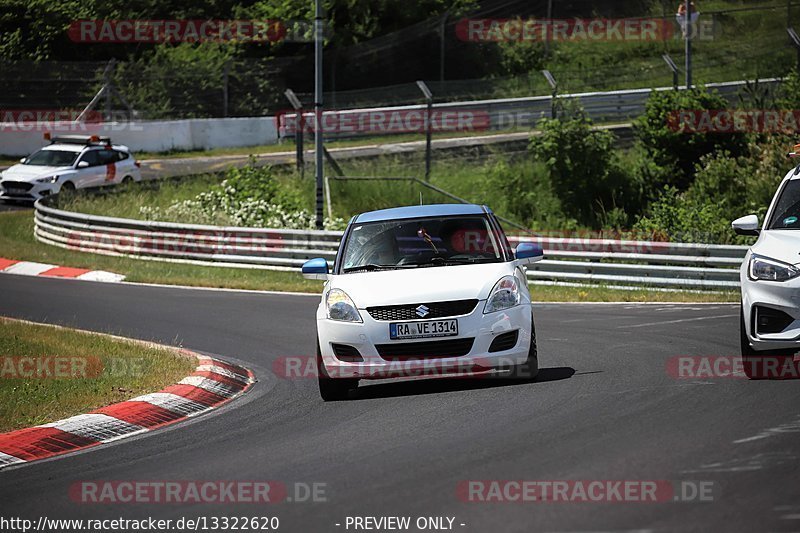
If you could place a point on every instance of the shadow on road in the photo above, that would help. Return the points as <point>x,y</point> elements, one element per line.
<point>442,385</point>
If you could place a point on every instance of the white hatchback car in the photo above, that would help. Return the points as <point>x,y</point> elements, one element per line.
<point>770,280</point>
<point>69,162</point>
<point>426,290</point>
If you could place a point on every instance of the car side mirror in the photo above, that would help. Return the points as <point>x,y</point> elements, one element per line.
<point>528,253</point>
<point>315,269</point>
<point>23,160</point>
<point>83,164</point>
<point>746,225</point>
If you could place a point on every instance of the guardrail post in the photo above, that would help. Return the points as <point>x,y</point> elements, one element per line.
<point>553,85</point>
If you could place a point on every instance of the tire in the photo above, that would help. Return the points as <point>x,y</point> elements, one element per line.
<point>528,370</point>
<point>127,181</point>
<point>67,187</point>
<point>332,389</point>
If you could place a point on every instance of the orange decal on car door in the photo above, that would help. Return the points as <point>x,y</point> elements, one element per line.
<point>111,171</point>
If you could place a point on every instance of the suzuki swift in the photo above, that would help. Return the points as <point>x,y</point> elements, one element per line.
<point>423,290</point>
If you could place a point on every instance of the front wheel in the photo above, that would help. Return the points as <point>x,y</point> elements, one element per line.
<point>528,370</point>
<point>332,389</point>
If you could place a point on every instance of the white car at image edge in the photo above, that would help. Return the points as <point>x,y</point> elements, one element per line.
<point>69,162</point>
<point>770,281</point>
<point>431,290</point>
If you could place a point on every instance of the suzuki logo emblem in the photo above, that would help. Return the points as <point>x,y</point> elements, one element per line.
<point>422,311</point>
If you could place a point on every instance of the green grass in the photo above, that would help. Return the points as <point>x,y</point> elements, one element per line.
<point>475,178</point>
<point>17,242</point>
<point>745,44</point>
<point>288,145</point>
<point>100,371</point>
<point>551,293</point>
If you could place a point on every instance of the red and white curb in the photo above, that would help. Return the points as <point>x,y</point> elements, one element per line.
<point>29,268</point>
<point>212,384</point>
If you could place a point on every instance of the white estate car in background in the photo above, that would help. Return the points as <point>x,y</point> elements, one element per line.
<point>69,162</point>
<point>424,290</point>
<point>770,279</point>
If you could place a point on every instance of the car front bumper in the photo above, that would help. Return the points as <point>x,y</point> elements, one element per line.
<point>780,296</point>
<point>27,192</point>
<point>367,335</point>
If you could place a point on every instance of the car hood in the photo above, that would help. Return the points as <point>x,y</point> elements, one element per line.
<point>30,172</point>
<point>783,245</point>
<point>420,285</point>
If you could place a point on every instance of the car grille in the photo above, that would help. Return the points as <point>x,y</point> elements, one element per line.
<point>435,310</point>
<point>425,350</point>
<point>13,186</point>
<point>504,342</point>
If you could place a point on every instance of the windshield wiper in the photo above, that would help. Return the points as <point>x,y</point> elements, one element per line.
<point>368,268</point>
<point>442,261</point>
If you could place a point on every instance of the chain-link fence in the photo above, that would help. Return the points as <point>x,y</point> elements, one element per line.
<point>733,42</point>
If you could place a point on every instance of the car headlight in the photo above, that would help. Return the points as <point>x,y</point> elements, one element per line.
<point>49,179</point>
<point>504,295</point>
<point>341,307</point>
<point>763,268</point>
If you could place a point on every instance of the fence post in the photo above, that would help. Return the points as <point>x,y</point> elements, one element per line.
<point>299,127</point>
<point>429,127</point>
<point>107,84</point>
<point>225,74</point>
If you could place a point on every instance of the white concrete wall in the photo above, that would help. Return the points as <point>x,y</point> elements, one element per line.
<point>20,139</point>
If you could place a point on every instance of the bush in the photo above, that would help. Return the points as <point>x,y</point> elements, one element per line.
<point>682,219</point>
<point>675,150</point>
<point>524,192</point>
<point>248,197</point>
<point>584,168</point>
<point>725,188</point>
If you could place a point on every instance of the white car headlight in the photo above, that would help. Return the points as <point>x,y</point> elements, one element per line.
<point>504,295</point>
<point>341,307</point>
<point>763,268</point>
<point>49,179</point>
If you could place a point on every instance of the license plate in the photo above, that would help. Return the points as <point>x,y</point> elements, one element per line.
<point>420,330</point>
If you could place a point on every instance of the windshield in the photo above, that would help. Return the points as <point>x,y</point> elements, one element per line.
<point>421,242</point>
<point>787,210</point>
<point>52,158</point>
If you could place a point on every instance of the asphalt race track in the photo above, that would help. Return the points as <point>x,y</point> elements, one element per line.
<point>604,408</point>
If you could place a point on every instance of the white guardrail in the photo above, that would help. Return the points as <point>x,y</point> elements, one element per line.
<point>607,107</point>
<point>567,260</point>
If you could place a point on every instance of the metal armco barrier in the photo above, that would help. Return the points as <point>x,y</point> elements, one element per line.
<point>608,107</point>
<point>594,261</point>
